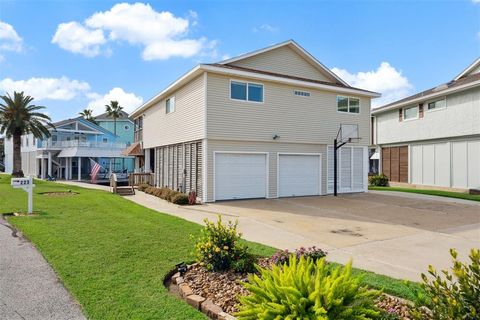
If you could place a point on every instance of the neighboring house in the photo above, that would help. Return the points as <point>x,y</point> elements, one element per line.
<point>433,137</point>
<point>124,131</point>
<point>67,153</point>
<point>260,125</point>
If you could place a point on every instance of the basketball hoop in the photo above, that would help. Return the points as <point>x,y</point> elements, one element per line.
<point>347,133</point>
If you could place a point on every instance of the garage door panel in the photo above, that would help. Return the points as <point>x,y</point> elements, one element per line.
<point>299,175</point>
<point>240,176</point>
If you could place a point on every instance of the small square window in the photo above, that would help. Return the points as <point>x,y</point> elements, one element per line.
<point>170,105</point>
<point>354,105</point>
<point>104,140</point>
<point>347,104</point>
<point>255,92</point>
<point>238,90</point>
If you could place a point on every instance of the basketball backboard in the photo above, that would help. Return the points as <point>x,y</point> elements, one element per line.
<point>348,132</point>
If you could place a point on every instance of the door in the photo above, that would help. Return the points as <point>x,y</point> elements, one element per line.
<point>298,175</point>
<point>240,176</point>
<point>352,169</point>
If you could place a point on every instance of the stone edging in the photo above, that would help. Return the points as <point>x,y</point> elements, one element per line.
<point>206,306</point>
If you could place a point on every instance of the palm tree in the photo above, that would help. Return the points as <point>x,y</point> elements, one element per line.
<point>87,115</point>
<point>114,110</point>
<point>19,117</point>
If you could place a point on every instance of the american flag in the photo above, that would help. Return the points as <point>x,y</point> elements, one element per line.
<point>95,169</point>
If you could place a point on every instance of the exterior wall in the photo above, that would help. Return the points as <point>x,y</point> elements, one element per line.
<point>296,119</point>
<point>273,148</point>
<point>461,117</point>
<point>124,129</point>
<point>282,60</point>
<point>186,123</point>
<point>445,163</point>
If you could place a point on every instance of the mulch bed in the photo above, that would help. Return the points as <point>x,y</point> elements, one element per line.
<point>224,287</point>
<point>59,193</point>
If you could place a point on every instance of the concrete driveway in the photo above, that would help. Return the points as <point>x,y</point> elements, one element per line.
<point>393,234</point>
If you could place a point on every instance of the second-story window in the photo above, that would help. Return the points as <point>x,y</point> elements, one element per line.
<point>246,91</point>
<point>410,113</point>
<point>348,104</point>
<point>170,105</point>
<point>438,104</point>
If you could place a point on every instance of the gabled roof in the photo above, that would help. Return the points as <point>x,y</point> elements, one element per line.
<point>470,68</point>
<point>298,49</point>
<point>84,122</point>
<point>225,68</point>
<point>463,81</point>
<point>105,116</point>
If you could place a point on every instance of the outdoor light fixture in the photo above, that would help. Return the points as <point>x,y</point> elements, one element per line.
<point>276,136</point>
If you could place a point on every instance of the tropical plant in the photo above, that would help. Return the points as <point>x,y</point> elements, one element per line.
<point>114,110</point>
<point>380,180</point>
<point>18,117</point>
<point>307,289</point>
<point>87,115</point>
<point>219,249</point>
<point>454,295</point>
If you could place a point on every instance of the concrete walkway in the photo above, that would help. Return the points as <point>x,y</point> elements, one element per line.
<point>29,288</point>
<point>398,235</point>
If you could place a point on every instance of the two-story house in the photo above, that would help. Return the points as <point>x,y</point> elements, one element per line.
<point>260,125</point>
<point>67,153</point>
<point>432,138</point>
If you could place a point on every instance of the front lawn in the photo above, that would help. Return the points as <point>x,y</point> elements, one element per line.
<point>113,254</point>
<point>449,194</point>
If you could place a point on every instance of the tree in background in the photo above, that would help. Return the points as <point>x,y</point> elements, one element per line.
<point>18,117</point>
<point>114,110</point>
<point>87,115</point>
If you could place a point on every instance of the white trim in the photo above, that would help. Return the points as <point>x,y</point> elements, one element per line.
<point>475,64</point>
<point>423,98</point>
<point>297,48</point>
<point>300,154</point>
<point>204,169</point>
<point>246,88</point>
<point>267,166</point>
<point>205,146</point>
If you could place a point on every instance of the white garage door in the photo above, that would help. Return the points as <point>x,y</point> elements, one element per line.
<point>240,176</point>
<point>299,175</point>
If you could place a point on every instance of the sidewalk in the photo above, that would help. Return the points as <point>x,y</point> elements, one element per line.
<point>29,288</point>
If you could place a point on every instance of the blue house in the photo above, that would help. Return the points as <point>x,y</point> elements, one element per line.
<point>67,153</point>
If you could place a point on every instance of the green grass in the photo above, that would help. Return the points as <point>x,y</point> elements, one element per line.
<point>113,254</point>
<point>440,193</point>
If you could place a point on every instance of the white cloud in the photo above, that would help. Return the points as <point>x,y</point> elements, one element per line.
<point>46,88</point>
<point>266,28</point>
<point>386,80</point>
<point>129,101</point>
<point>161,34</point>
<point>476,1</point>
<point>9,39</point>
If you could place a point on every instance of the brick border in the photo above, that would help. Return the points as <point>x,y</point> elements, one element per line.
<point>207,306</point>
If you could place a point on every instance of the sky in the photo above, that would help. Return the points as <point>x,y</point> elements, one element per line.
<point>72,55</point>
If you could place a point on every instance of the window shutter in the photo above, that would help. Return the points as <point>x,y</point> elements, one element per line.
<point>420,110</point>
<point>400,114</point>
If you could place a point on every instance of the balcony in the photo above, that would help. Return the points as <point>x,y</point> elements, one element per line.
<point>81,144</point>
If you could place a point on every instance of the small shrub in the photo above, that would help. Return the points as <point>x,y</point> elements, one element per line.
<point>143,187</point>
<point>218,247</point>
<point>180,198</point>
<point>307,289</point>
<point>380,180</point>
<point>282,256</point>
<point>172,194</point>
<point>150,190</point>
<point>454,295</point>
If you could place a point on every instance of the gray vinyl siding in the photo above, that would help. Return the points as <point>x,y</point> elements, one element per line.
<point>282,60</point>
<point>460,118</point>
<point>273,148</point>
<point>186,123</point>
<point>296,119</point>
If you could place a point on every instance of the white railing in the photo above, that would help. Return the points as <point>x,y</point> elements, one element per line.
<point>82,144</point>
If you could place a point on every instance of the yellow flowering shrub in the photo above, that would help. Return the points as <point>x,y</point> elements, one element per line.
<point>218,248</point>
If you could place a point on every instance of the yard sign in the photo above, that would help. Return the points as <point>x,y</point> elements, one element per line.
<point>27,185</point>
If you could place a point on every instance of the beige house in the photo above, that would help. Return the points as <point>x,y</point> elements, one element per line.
<point>432,138</point>
<point>260,125</point>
